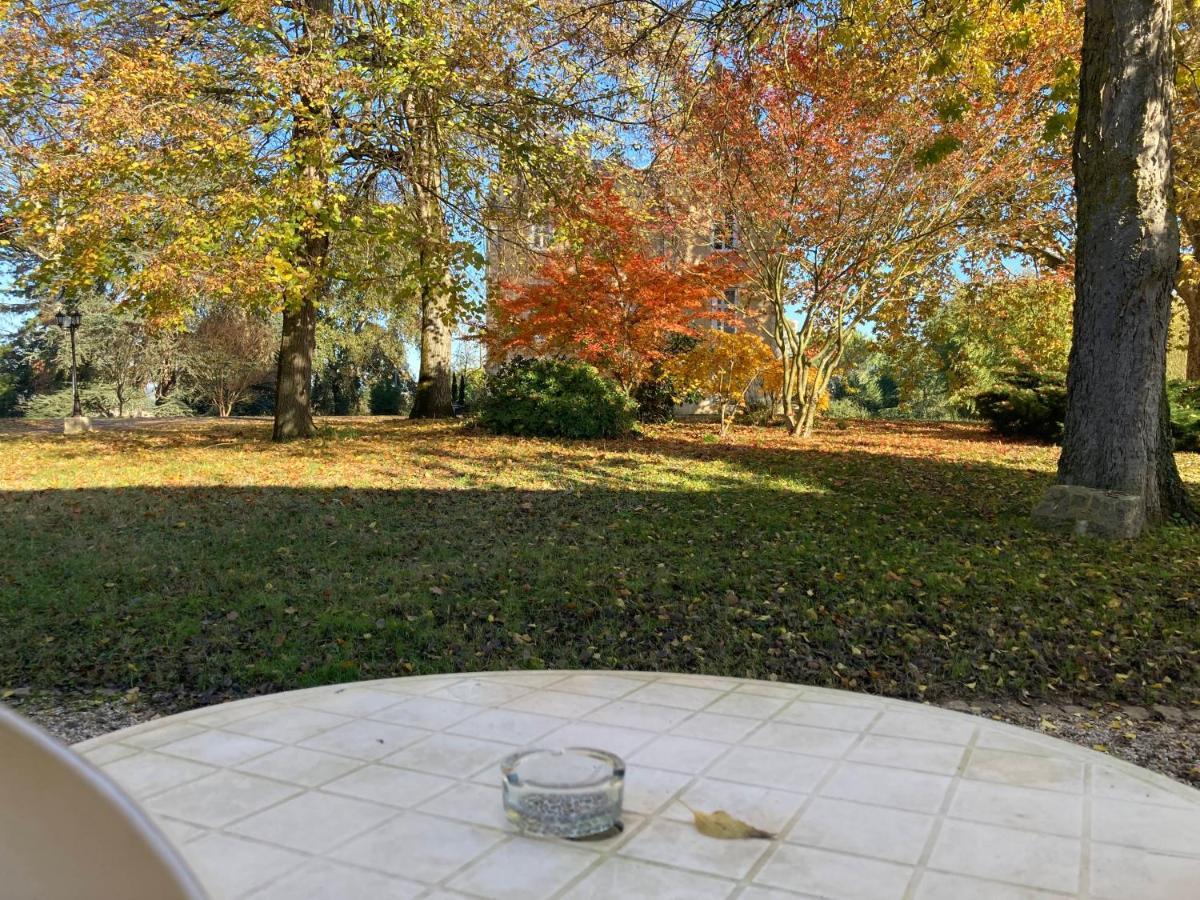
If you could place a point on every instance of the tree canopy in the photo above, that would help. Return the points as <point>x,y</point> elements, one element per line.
<point>609,293</point>
<point>857,184</point>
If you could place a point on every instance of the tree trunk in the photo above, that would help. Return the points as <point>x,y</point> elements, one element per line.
<point>293,383</point>
<point>812,385</point>
<point>804,424</point>
<point>434,398</point>
<point>795,381</point>
<point>1115,437</point>
<point>806,417</point>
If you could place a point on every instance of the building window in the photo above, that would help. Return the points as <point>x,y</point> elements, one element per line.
<point>727,306</point>
<point>541,236</point>
<point>724,232</point>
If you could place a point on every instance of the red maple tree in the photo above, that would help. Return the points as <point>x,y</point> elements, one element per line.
<point>609,294</point>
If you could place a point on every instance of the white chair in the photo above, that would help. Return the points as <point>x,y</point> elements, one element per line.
<point>68,833</point>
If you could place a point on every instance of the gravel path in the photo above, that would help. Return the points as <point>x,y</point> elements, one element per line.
<point>1164,739</point>
<point>75,718</point>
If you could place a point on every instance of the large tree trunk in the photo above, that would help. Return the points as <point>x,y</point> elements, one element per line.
<point>434,398</point>
<point>1116,439</point>
<point>293,383</point>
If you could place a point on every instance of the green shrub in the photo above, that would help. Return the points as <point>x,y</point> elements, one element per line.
<point>172,405</point>
<point>259,400</point>
<point>924,408</point>
<point>555,398</point>
<point>867,384</point>
<point>1185,414</point>
<point>99,400</point>
<point>759,412</point>
<point>656,399</point>
<point>387,398</point>
<point>11,390</point>
<point>472,385</point>
<point>845,408</point>
<point>1026,404</point>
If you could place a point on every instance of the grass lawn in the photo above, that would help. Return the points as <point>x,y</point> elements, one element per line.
<point>201,560</point>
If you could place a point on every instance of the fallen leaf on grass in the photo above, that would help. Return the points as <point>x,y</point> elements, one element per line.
<point>721,824</point>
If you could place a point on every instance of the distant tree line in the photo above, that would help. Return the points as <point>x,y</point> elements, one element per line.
<point>222,362</point>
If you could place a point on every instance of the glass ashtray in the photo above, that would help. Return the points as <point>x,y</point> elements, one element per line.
<point>572,793</point>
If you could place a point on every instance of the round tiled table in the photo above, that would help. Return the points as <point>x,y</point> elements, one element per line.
<point>391,789</point>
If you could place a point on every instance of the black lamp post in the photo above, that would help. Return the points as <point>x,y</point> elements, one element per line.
<point>71,319</point>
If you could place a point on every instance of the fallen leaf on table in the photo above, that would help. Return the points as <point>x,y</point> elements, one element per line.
<point>721,824</point>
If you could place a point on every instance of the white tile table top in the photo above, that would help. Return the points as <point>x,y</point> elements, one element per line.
<point>391,789</point>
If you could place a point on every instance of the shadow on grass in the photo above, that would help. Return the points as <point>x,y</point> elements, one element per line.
<point>912,577</point>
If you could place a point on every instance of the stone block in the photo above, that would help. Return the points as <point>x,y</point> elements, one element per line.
<point>77,425</point>
<point>1084,510</point>
<point>1168,713</point>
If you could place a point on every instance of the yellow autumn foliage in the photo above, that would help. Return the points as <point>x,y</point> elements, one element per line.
<point>724,366</point>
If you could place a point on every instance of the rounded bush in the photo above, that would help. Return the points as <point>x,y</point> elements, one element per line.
<point>555,398</point>
<point>1026,404</point>
<point>656,400</point>
<point>387,398</point>
<point>845,408</point>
